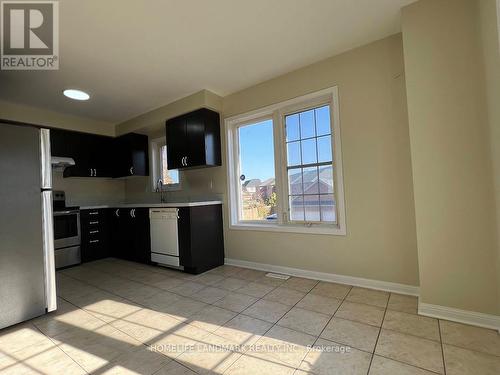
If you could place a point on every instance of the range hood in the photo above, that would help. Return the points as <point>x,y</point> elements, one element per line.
<point>59,163</point>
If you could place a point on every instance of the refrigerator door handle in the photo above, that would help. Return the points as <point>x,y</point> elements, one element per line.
<point>45,156</point>
<point>48,251</point>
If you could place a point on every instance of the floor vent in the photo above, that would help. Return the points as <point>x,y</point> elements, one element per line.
<point>277,276</point>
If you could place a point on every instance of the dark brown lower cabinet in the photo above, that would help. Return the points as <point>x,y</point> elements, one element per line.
<point>201,240</point>
<point>130,234</point>
<point>125,233</point>
<point>95,234</point>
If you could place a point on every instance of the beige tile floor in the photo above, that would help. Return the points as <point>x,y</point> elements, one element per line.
<point>117,317</point>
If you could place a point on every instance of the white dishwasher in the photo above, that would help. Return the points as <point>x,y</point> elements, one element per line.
<point>164,236</point>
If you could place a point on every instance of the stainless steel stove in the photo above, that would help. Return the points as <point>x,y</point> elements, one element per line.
<point>66,232</point>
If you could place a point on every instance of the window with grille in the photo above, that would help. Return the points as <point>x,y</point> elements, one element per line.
<point>285,167</point>
<point>310,166</point>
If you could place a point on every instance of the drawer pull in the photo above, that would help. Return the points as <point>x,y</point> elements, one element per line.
<point>94,222</point>
<point>94,231</point>
<point>94,213</point>
<point>94,241</point>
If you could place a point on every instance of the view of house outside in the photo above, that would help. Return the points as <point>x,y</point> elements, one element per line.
<point>309,166</point>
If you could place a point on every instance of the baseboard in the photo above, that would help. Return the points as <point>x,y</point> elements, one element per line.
<point>460,316</point>
<point>323,276</point>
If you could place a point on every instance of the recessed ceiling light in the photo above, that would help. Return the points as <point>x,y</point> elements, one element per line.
<point>76,94</point>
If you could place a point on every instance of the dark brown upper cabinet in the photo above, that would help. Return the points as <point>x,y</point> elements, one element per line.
<point>131,155</point>
<point>100,156</point>
<point>193,140</point>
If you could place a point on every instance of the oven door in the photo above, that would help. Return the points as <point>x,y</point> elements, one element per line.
<point>66,229</point>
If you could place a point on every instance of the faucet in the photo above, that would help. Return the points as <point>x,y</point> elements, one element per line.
<point>159,189</point>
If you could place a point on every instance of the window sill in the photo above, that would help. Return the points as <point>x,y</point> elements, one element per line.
<point>290,228</point>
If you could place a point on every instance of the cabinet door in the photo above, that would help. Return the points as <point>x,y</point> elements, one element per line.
<point>176,142</point>
<point>101,156</point>
<point>139,148</point>
<point>121,233</point>
<point>141,235</point>
<point>195,134</point>
<point>131,155</point>
<point>122,157</point>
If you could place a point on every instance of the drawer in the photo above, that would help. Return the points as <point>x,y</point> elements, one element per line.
<point>93,231</point>
<point>92,221</point>
<point>89,214</point>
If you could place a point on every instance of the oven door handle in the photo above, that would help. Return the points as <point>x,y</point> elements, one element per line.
<point>59,213</point>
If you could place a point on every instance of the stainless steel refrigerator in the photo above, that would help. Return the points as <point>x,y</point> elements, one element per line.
<point>27,271</point>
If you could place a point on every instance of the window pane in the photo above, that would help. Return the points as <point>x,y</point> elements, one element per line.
<point>325,149</point>
<point>328,212</point>
<point>257,178</point>
<point>307,128</point>
<point>297,208</point>
<point>326,179</point>
<point>311,188</point>
<point>293,151</point>
<point>295,181</point>
<point>292,127</point>
<point>309,155</point>
<point>310,177</point>
<point>168,177</point>
<point>311,206</point>
<point>323,126</point>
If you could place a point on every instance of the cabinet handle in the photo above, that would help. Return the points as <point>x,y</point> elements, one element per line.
<point>94,241</point>
<point>94,213</point>
<point>95,172</point>
<point>94,222</point>
<point>91,172</point>
<point>117,212</point>
<point>186,161</point>
<point>132,212</point>
<point>94,231</point>
<point>131,170</point>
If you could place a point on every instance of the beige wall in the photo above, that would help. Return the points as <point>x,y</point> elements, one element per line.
<point>89,191</point>
<point>491,54</point>
<point>39,116</point>
<point>154,121</point>
<point>380,242</point>
<point>198,184</point>
<point>452,170</point>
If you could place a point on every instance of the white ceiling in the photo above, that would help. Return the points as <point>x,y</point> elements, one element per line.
<point>133,56</point>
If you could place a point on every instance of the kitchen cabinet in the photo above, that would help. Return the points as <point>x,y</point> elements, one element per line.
<point>193,140</point>
<point>101,156</point>
<point>130,234</point>
<point>95,234</point>
<point>131,155</point>
<point>201,240</point>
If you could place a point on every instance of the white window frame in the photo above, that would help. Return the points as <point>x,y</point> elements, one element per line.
<point>277,113</point>
<point>155,168</point>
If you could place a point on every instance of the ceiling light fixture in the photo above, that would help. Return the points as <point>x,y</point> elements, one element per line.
<point>76,94</point>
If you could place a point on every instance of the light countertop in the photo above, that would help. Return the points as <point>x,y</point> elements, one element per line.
<point>152,205</point>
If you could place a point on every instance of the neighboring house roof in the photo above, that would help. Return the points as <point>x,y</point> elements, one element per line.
<point>252,183</point>
<point>268,182</point>
<point>312,180</point>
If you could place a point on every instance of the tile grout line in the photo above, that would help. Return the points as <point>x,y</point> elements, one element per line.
<point>61,349</point>
<point>338,307</point>
<point>127,334</point>
<point>442,347</point>
<point>378,336</point>
<point>276,323</point>
<point>142,306</point>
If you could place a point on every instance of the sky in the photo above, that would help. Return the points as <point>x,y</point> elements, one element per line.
<point>257,150</point>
